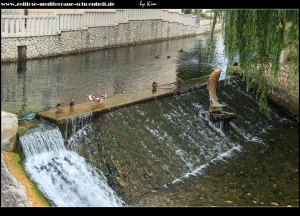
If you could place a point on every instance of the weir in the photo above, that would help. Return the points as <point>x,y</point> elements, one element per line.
<point>71,119</point>
<point>149,147</point>
<point>165,152</point>
<point>46,151</point>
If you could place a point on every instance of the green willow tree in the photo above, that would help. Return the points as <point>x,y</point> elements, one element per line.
<point>257,38</point>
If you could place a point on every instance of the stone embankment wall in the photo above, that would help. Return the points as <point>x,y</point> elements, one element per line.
<point>132,32</point>
<point>72,41</point>
<point>285,93</point>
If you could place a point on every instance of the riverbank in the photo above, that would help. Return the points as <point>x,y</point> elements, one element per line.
<point>17,190</point>
<point>13,191</point>
<point>96,38</point>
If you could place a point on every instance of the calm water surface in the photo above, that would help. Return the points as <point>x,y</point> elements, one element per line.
<point>37,85</point>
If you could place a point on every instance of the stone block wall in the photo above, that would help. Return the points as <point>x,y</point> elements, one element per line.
<point>132,32</point>
<point>285,93</point>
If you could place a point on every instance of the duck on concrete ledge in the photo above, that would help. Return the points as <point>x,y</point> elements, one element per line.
<point>60,105</point>
<point>178,82</point>
<point>154,85</point>
<point>72,103</point>
<point>97,98</point>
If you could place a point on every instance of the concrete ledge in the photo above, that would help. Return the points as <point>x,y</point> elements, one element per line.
<point>9,127</point>
<point>69,120</point>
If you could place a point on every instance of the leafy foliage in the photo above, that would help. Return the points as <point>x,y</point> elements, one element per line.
<point>256,38</point>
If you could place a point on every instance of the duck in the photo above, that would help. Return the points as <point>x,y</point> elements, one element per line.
<point>199,55</point>
<point>181,50</point>
<point>168,56</point>
<point>156,56</point>
<point>154,85</point>
<point>102,97</point>
<point>97,98</point>
<point>178,82</point>
<point>72,103</point>
<point>60,105</point>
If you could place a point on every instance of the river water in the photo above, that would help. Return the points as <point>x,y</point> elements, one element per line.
<point>37,85</point>
<point>162,153</point>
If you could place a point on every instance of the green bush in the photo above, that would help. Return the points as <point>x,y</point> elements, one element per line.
<point>202,15</point>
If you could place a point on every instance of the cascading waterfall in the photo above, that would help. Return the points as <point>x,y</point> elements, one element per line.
<point>151,145</point>
<point>63,176</point>
<point>141,149</point>
<point>156,142</point>
<point>77,122</point>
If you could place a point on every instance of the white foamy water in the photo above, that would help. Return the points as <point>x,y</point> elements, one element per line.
<point>63,176</point>
<point>202,168</point>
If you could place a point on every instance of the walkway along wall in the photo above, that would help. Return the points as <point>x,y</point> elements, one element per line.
<point>92,38</point>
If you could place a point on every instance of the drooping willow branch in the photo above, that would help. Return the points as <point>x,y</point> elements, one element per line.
<point>256,38</point>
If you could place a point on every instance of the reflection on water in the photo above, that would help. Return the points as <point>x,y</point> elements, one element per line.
<point>37,85</point>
